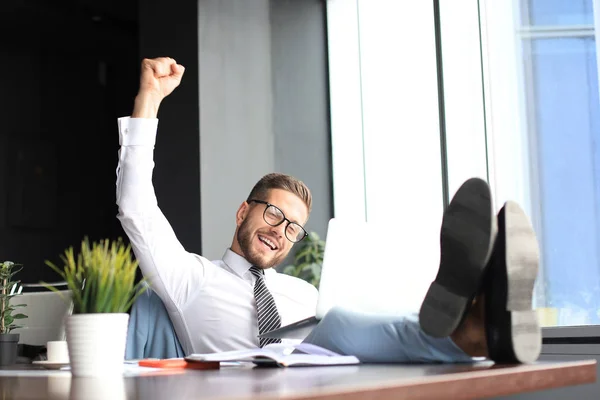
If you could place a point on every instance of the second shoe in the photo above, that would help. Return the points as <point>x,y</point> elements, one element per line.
<point>512,329</point>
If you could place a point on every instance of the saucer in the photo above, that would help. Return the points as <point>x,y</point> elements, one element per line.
<point>51,364</point>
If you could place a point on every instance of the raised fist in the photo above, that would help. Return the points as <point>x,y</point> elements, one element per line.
<point>160,76</point>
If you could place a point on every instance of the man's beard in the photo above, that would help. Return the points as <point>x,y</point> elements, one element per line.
<point>244,238</point>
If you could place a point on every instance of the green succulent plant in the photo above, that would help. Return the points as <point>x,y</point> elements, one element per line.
<point>101,277</point>
<point>308,260</point>
<point>8,290</point>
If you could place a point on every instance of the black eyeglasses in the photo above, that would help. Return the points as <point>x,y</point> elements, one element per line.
<point>274,216</point>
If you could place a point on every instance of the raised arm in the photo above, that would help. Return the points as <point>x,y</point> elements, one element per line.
<point>174,273</point>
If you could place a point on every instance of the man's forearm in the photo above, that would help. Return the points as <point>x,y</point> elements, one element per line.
<point>145,106</point>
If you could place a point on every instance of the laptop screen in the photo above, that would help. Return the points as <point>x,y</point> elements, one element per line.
<point>46,312</point>
<point>363,270</point>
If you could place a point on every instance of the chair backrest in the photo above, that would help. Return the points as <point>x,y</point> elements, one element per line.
<point>150,333</point>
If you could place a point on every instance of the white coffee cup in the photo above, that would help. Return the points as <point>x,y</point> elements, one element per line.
<point>58,351</point>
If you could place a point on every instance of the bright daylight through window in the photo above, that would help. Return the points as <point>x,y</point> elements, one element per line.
<point>550,156</point>
<point>517,104</point>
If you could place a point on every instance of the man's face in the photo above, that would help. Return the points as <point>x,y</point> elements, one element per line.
<point>261,244</point>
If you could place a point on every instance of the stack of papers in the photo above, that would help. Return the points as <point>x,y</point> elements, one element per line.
<point>282,355</point>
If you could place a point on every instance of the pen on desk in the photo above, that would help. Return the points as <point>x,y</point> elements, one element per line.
<point>177,363</point>
<point>136,361</point>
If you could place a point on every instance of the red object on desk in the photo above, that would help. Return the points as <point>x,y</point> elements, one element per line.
<point>178,363</point>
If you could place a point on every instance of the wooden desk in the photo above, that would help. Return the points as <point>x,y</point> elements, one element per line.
<point>347,382</point>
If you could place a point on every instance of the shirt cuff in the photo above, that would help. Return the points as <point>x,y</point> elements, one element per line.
<point>137,131</point>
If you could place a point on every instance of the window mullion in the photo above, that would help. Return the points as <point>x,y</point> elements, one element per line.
<point>596,6</point>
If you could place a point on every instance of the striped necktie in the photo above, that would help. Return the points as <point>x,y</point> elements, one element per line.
<point>268,316</point>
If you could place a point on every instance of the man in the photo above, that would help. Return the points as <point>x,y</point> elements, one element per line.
<point>224,304</point>
<point>211,304</point>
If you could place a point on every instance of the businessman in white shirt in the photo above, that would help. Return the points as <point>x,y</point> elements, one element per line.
<point>224,304</point>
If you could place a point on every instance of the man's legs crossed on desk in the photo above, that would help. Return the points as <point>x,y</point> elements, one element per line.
<point>478,306</point>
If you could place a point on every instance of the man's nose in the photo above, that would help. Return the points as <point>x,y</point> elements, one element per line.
<point>279,230</point>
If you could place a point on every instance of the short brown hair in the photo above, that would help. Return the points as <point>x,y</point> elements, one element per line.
<point>260,191</point>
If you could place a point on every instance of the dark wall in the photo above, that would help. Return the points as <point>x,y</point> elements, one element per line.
<point>62,86</point>
<point>167,31</point>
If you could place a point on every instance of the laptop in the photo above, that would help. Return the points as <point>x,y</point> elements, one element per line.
<point>367,268</point>
<point>46,311</point>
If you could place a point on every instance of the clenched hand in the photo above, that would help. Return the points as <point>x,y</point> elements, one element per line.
<point>159,77</point>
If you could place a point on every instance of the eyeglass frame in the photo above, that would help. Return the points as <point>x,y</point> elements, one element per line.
<point>267,204</point>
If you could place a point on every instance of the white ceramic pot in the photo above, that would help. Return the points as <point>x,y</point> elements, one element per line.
<point>97,343</point>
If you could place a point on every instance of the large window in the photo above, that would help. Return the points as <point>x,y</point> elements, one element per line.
<point>565,119</point>
<point>510,94</point>
<point>543,120</point>
<point>386,135</point>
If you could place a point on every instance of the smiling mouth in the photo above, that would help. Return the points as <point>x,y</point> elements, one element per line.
<point>267,242</point>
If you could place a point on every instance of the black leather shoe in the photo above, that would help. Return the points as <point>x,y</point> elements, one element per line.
<point>512,329</point>
<point>467,239</point>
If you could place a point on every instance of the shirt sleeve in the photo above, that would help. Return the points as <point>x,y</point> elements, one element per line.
<point>174,273</point>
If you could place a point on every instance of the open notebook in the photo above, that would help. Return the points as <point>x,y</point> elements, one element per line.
<point>278,354</point>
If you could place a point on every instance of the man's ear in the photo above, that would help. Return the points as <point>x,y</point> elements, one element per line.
<point>242,212</point>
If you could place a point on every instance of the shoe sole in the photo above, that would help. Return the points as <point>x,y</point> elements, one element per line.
<point>467,237</point>
<point>522,263</point>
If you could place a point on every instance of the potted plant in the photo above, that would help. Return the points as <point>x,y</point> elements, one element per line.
<point>101,279</point>
<point>8,290</point>
<point>308,260</point>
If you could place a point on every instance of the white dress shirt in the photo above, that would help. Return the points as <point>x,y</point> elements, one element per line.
<point>211,303</point>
